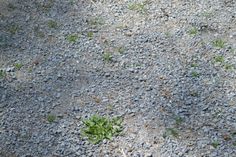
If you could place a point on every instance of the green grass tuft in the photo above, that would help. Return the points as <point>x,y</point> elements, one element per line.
<point>52,24</point>
<point>2,74</point>
<point>219,59</point>
<point>178,120</point>
<point>195,74</point>
<point>121,49</point>
<point>194,65</point>
<point>72,38</point>
<point>90,35</point>
<point>98,128</point>
<point>139,7</point>
<point>171,132</point>
<point>228,66</point>
<point>107,56</point>
<point>18,66</point>
<point>219,43</point>
<point>51,118</point>
<point>215,144</point>
<point>193,31</point>
<point>96,21</point>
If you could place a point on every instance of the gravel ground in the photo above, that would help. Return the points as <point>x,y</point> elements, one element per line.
<point>166,66</point>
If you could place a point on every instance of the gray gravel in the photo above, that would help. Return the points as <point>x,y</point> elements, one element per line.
<point>175,89</point>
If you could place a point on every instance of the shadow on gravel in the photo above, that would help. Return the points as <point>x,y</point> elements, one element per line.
<point>200,104</point>
<point>43,82</point>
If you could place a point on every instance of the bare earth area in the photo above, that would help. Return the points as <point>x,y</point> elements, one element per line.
<point>167,67</point>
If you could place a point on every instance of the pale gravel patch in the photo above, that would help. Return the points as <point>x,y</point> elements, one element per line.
<point>149,84</point>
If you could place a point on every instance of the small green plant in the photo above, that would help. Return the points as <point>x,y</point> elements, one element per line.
<point>232,50</point>
<point>167,34</point>
<point>72,2</point>
<point>194,65</point>
<point>219,43</point>
<point>2,74</point>
<point>195,74</point>
<point>98,128</point>
<point>51,118</point>
<point>109,107</point>
<point>228,66</point>
<point>139,7</point>
<point>219,59</point>
<point>96,21</point>
<point>171,132</point>
<point>193,31</point>
<point>18,66</point>
<point>215,144</point>
<point>178,120</point>
<point>107,56</point>
<point>203,43</point>
<point>121,49</point>
<point>13,29</point>
<point>90,35</point>
<point>52,24</point>
<point>72,38</point>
